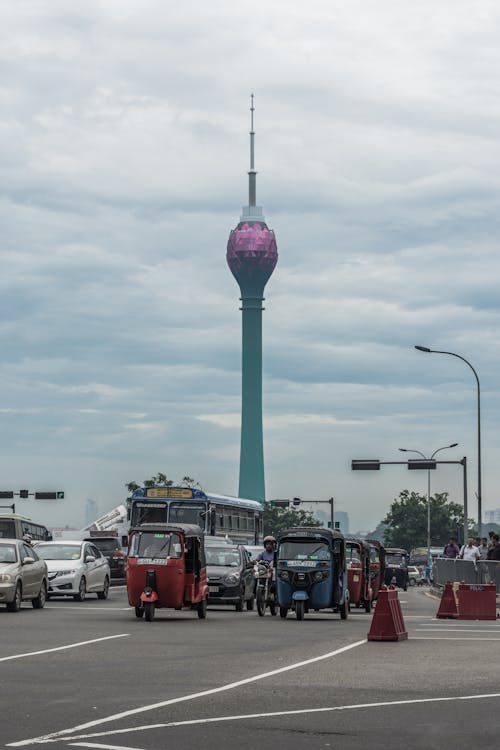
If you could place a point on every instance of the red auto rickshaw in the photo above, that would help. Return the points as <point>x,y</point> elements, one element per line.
<point>358,573</point>
<point>166,568</point>
<point>377,566</point>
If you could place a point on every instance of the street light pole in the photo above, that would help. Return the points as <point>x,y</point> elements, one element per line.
<point>479,492</point>
<point>410,450</point>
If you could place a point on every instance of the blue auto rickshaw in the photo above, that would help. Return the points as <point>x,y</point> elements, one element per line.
<point>311,571</point>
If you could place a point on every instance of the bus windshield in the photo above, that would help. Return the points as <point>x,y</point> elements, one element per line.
<point>148,512</point>
<point>184,513</point>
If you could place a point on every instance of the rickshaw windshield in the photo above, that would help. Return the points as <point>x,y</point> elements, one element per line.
<point>155,544</point>
<point>352,554</point>
<point>297,550</point>
<point>395,559</point>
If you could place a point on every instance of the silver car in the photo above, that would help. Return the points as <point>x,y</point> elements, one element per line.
<point>75,569</point>
<point>23,575</point>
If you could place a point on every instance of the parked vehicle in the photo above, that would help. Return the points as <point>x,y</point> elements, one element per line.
<point>357,553</point>
<point>23,575</point>
<point>166,567</point>
<point>266,588</point>
<point>396,567</point>
<point>111,548</point>
<point>230,576</point>
<point>311,571</point>
<point>415,576</point>
<point>377,566</point>
<point>75,568</point>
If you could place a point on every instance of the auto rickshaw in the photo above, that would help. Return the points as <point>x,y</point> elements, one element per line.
<point>311,571</point>
<point>396,567</point>
<point>377,566</point>
<point>357,553</point>
<point>166,568</point>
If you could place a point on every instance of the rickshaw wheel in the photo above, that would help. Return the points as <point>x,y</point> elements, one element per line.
<point>299,609</point>
<point>250,603</point>
<point>368,605</point>
<point>283,612</point>
<point>261,604</point>
<point>149,611</point>
<point>343,609</point>
<point>201,608</point>
<point>139,612</point>
<point>272,609</point>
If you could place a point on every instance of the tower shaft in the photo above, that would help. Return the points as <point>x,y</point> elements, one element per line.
<point>252,482</point>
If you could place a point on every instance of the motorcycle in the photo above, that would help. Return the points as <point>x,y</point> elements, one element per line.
<point>265,594</point>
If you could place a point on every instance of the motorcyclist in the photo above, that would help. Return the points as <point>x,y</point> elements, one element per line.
<point>267,555</point>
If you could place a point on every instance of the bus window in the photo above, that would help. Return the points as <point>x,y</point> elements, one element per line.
<point>7,529</point>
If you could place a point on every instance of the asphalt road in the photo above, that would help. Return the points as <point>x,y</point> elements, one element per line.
<point>92,675</point>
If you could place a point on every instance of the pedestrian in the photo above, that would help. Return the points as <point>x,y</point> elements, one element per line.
<point>469,551</point>
<point>494,551</point>
<point>483,549</point>
<point>491,543</point>
<point>452,549</point>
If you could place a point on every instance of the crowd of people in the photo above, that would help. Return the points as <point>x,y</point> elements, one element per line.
<point>480,548</point>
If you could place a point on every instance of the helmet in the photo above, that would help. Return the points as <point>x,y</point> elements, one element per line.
<point>269,539</point>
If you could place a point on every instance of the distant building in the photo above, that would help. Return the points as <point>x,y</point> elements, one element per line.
<point>491,516</point>
<point>91,510</point>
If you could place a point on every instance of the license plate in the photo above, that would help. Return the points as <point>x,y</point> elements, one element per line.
<point>213,589</point>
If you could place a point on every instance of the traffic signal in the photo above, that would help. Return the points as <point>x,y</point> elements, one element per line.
<point>24,494</point>
<point>280,503</point>
<point>6,494</point>
<point>45,495</point>
<point>60,495</point>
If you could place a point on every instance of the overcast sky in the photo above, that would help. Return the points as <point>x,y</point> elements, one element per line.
<point>124,149</point>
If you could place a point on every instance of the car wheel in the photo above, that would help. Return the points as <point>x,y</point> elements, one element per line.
<point>139,612</point>
<point>104,593</point>
<point>250,604</point>
<point>202,609</point>
<point>240,602</point>
<point>39,601</point>
<point>412,581</point>
<point>149,611</point>
<point>15,605</point>
<point>82,591</point>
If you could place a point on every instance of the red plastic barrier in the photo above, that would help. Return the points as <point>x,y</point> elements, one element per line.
<point>448,604</point>
<point>477,601</point>
<point>387,622</point>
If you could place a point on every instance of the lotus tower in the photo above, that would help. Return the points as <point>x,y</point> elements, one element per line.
<point>252,255</point>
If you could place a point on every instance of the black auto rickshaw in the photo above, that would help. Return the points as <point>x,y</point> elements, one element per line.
<point>311,571</point>
<point>396,567</point>
<point>166,568</point>
<point>377,566</point>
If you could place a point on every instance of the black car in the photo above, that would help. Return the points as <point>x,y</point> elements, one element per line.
<point>230,575</point>
<point>111,549</point>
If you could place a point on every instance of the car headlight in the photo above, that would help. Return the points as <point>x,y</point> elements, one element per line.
<point>318,576</point>
<point>6,578</point>
<point>65,573</point>
<point>284,575</point>
<point>232,578</point>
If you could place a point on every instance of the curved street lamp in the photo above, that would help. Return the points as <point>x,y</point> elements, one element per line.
<point>412,450</point>
<point>479,495</point>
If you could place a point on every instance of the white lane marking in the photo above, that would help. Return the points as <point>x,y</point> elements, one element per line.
<point>450,638</point>
<point>456,630</point>
<point>63,648</point>
<point>103,747</point>
<point>191,696</point>
<point>89,609</point>
<point>271,714</point>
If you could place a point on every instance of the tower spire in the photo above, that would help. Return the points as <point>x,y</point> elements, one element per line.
<point>252,173</point>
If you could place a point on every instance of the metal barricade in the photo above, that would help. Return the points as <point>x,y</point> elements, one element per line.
<point>489,571</point>
<point>443,570</point>
<point>446,569</point>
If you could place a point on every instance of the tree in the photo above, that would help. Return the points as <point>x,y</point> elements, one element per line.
<point>407,520</point>
<point>286,518</point>
<point>378,532</point>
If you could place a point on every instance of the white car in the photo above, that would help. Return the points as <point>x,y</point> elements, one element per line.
<point>75,569</point>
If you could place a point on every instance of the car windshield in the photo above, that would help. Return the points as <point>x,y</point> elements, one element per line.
<point>156,544</point>
<point>228,558</point>
<point>59,551</point>
<point>310,550</point>
<point>8,553</point>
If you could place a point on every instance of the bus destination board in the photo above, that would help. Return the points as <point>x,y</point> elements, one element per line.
<point>179,492</point>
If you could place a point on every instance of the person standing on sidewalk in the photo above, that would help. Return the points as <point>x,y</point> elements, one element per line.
<point>469,551</point>
<point>494,551</point>
<point>483,549</point>
<point>452,549</point>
